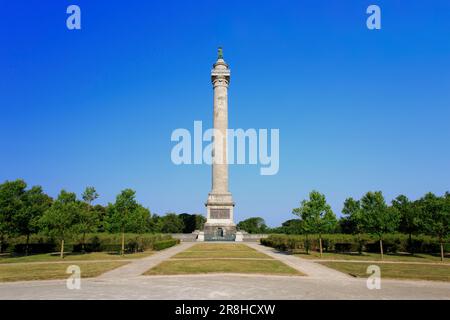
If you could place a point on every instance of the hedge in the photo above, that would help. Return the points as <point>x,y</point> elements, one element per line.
<point>98,242</point>
<point>352,243</point>
<point>163,244</point>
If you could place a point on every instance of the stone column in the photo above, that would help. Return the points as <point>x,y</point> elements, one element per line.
<point>220,202</point>
<point>220,77</point>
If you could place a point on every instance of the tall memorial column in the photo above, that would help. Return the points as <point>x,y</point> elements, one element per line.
<point>219,224</point>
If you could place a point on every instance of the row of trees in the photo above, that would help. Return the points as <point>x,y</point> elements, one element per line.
<point>371,214</point>
<point>28,211</point>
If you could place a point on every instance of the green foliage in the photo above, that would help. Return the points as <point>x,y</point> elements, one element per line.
<point>377,218</point>
<point>163,244</point>
<point>171,223</point>
<point>11,203</point>
<point>436,212</point>
<point>192,222</point>
<point>93,242</point>
<point>253,225</point>
<point>126,215</point>
<point>61,218</point>
<point>89,195</point>
<point>394,242</point>
<point>292,226</point>
<point>316,215</point>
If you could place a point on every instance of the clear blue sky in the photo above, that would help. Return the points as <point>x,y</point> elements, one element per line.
<point>357,110</point>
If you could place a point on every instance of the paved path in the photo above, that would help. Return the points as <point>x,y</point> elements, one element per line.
<point>311,269</point>
<point>321,283</point>
<point>138,267</point>
<point>225,286</point>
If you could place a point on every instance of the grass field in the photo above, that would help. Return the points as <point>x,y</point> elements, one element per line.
<point>54,257</point>
<point>48,271</point>
<point>373,257</point>
<point>222,266</point>
<point>221,251</point>
<point>221,258</point>
<point>221,247</point>
<point>395,271</point>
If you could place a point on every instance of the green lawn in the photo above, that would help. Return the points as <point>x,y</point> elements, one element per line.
<point>54,257</point>
<point>373,257</point>
<point>221,254</point>
<point>221,258</point>
<point>220,247</point>
<point>171,267</point>
<point>395,270</point>
<point>48,271</point>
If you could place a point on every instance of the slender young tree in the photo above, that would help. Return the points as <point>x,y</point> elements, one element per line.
<point>88,219</point>
<point>59,220</point>
<point>124,206</point>
<point>352,210</point>
<point>437,217</point>
<point>410,217</point>
<point>316,215</point>
<point>377,217</point>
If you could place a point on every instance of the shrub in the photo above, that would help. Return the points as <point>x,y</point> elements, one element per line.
<point>351,243</point>
<point>97,242</point>
<point>163,244</point>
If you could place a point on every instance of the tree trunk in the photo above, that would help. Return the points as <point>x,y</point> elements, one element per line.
<point>359,244</point>
<point>307,244</point>
<point>320,245</point>
<point>442,251</point>
<point>62,249</point>
<point>83,240</point>
<point>26,245</point>
<point>381,249</point>
<point>123,243</point>
<point>410,244</point>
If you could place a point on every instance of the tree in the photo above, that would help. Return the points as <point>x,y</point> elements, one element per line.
<point>124,206</point>
<point>11,202</point>
<point>410,217</point>
<point>200,221</point>
<point>377,217</point>
<point>316,216</point>
<point>292,226</point>
<point>253,225</point>
<point>352,211</point>
<point>26,220</point>
<point>59,220</point>
<point>171,223</point>
<point>437,217</point>
<point>88,219</point>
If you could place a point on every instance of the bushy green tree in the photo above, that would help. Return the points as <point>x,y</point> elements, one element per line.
<point>316,216</point>
<point>120,213</point>
<point>410,217</point>
<point>11,203</point>
<point>26,221</point>
<point>377,217</point>
<point>292,226</point>
<point>253,225</point>
<point>61,218</point>
<point>88,219</point>
<point>436,212</point>
<point>353,214</point>
<point>171,223</point>
<point>200,221</point>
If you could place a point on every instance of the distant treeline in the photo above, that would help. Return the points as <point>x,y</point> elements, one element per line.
<point>429,215</point>
<point>24,212</point>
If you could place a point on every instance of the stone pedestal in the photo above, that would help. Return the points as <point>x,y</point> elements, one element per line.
<point>201,236</point>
